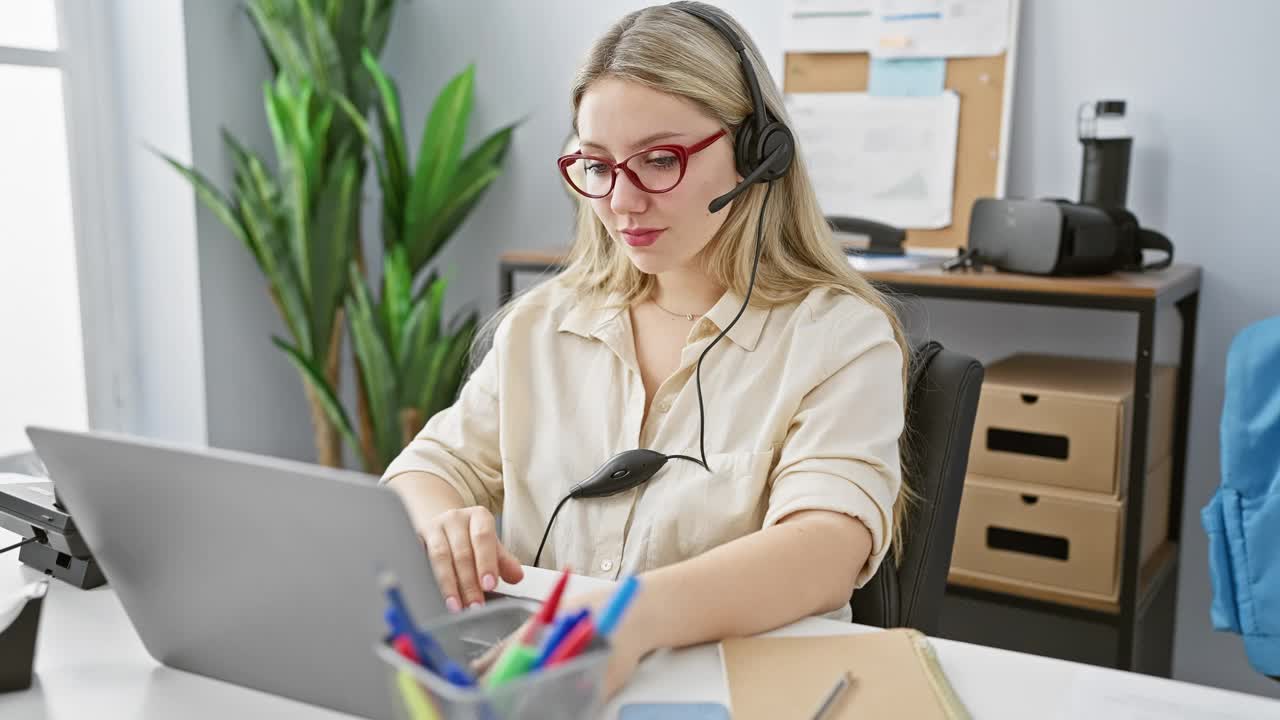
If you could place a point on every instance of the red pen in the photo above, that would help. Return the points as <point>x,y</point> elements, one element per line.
<point>574,643</point>
<point>547,613</point>
<point>521,655</point>
<point>404,646</point>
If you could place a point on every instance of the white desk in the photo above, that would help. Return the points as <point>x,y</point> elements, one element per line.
<point>91,664</point>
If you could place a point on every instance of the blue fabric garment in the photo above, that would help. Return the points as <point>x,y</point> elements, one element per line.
<point>1243,518</point>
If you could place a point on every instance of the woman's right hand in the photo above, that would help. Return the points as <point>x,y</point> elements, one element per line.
<point>466,555</point>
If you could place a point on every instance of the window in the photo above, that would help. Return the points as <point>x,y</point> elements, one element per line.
<point>42,364</point>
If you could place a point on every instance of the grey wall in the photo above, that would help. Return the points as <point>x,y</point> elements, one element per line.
<point>147,69</point>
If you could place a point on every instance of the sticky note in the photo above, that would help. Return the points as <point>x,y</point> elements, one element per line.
<point>907,76</point>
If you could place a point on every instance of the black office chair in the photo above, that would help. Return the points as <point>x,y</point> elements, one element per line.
<point>941,404</point>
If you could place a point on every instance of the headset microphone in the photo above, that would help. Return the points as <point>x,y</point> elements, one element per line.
<point>718,204</point>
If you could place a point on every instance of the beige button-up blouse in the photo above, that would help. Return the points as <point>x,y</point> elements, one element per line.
<point>804,407</point>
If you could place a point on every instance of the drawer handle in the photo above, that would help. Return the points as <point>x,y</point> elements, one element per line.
<point>1030,499</point>
<point>1030,399</point>
<point>1056,447</point>
<point>1049,546</point>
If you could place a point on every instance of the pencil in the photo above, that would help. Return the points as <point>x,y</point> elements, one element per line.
<point>833,697</point>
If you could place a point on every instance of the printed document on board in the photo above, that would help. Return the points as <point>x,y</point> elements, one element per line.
<point>938,28</point>
<point>829,25</point>
<point>890,159</point>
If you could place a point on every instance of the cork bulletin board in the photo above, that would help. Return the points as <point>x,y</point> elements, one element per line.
<point>984,85</point>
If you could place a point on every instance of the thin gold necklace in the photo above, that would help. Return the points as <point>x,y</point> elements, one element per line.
<point>686,316</point>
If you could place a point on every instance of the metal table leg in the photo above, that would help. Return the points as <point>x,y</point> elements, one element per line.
<point>1131,563</point>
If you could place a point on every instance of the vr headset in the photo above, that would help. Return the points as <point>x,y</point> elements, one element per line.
<point>1058,237</point>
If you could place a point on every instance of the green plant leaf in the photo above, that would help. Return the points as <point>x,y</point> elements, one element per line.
<point>438,157</point>
<point>475,173</point>
<point>454,368</point>
<point>432,376</point>
<point>374,367</point>
<point>321,133</point>
<point>332,10</point>
<point>366,134</point>
<point>397,294</point>
<point>488,153</point>
<point>422,329</point>
<point>265,220</point>
<point>328,399</point>
<point>410,379</point>
<point>378,24</point>
<point>213,199</point>
<point>434,292</point>
<point>295,184</point>
<point>395,156</point>
<point>273,26</point>
<point>446,368</point>
<point>352,112</point>
<point>465,195</point>
<point>322,51</point>
<point>332,233</point>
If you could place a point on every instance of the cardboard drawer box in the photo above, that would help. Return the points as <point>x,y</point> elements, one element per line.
<point>1068,542</point>
<point>1066,421</point>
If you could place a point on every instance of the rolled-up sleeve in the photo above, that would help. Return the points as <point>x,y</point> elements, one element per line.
<point>460,444</point>
<point>841,449</point>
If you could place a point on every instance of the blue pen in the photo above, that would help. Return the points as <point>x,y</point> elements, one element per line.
<point>397,616</point>
<point>563,625</point>
<point>430,654</point>
<point>395,600</point>
<point>577,641</point>
<point>444,665</point>
<point>612,612</point>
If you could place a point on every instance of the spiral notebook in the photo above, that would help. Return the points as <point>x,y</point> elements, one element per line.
<point>895,675</point>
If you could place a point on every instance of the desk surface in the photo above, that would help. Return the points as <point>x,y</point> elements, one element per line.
<point>1174,281</point>
<point>91,664</point>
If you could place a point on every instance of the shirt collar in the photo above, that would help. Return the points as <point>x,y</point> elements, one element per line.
<point>746,332</point>
<point>588,319</point>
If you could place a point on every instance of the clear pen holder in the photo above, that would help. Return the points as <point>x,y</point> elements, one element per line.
<point>567,691</point>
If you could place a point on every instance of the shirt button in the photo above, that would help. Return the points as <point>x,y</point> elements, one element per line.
<point>664,406</point>
<point>607,565</point>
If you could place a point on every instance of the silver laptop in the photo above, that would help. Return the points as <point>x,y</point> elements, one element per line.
<point>253,570</point>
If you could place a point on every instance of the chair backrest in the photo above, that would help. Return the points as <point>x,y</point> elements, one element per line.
<point>942,401</point>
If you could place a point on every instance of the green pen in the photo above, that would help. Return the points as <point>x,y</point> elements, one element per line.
<point>516,661</point>
<point>521,656</point>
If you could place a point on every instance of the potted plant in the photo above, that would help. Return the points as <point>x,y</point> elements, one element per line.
<point>300,222</point>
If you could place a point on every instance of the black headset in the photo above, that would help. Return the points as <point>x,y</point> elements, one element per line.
<point>763,145</point>
<point>763,149</point>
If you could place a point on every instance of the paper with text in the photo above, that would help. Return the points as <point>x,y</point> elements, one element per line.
<point>829,25</point>
<point>890,159</point>
<point>941,28</point>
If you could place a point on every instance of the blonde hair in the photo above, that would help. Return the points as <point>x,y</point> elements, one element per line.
<point>676,53</point>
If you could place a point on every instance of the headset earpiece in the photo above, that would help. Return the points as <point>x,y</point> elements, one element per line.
<point>752,147</point>
<point>744,147</point>
<point>777,136</point>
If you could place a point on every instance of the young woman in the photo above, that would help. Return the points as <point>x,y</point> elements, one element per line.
<point>803,396</point>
